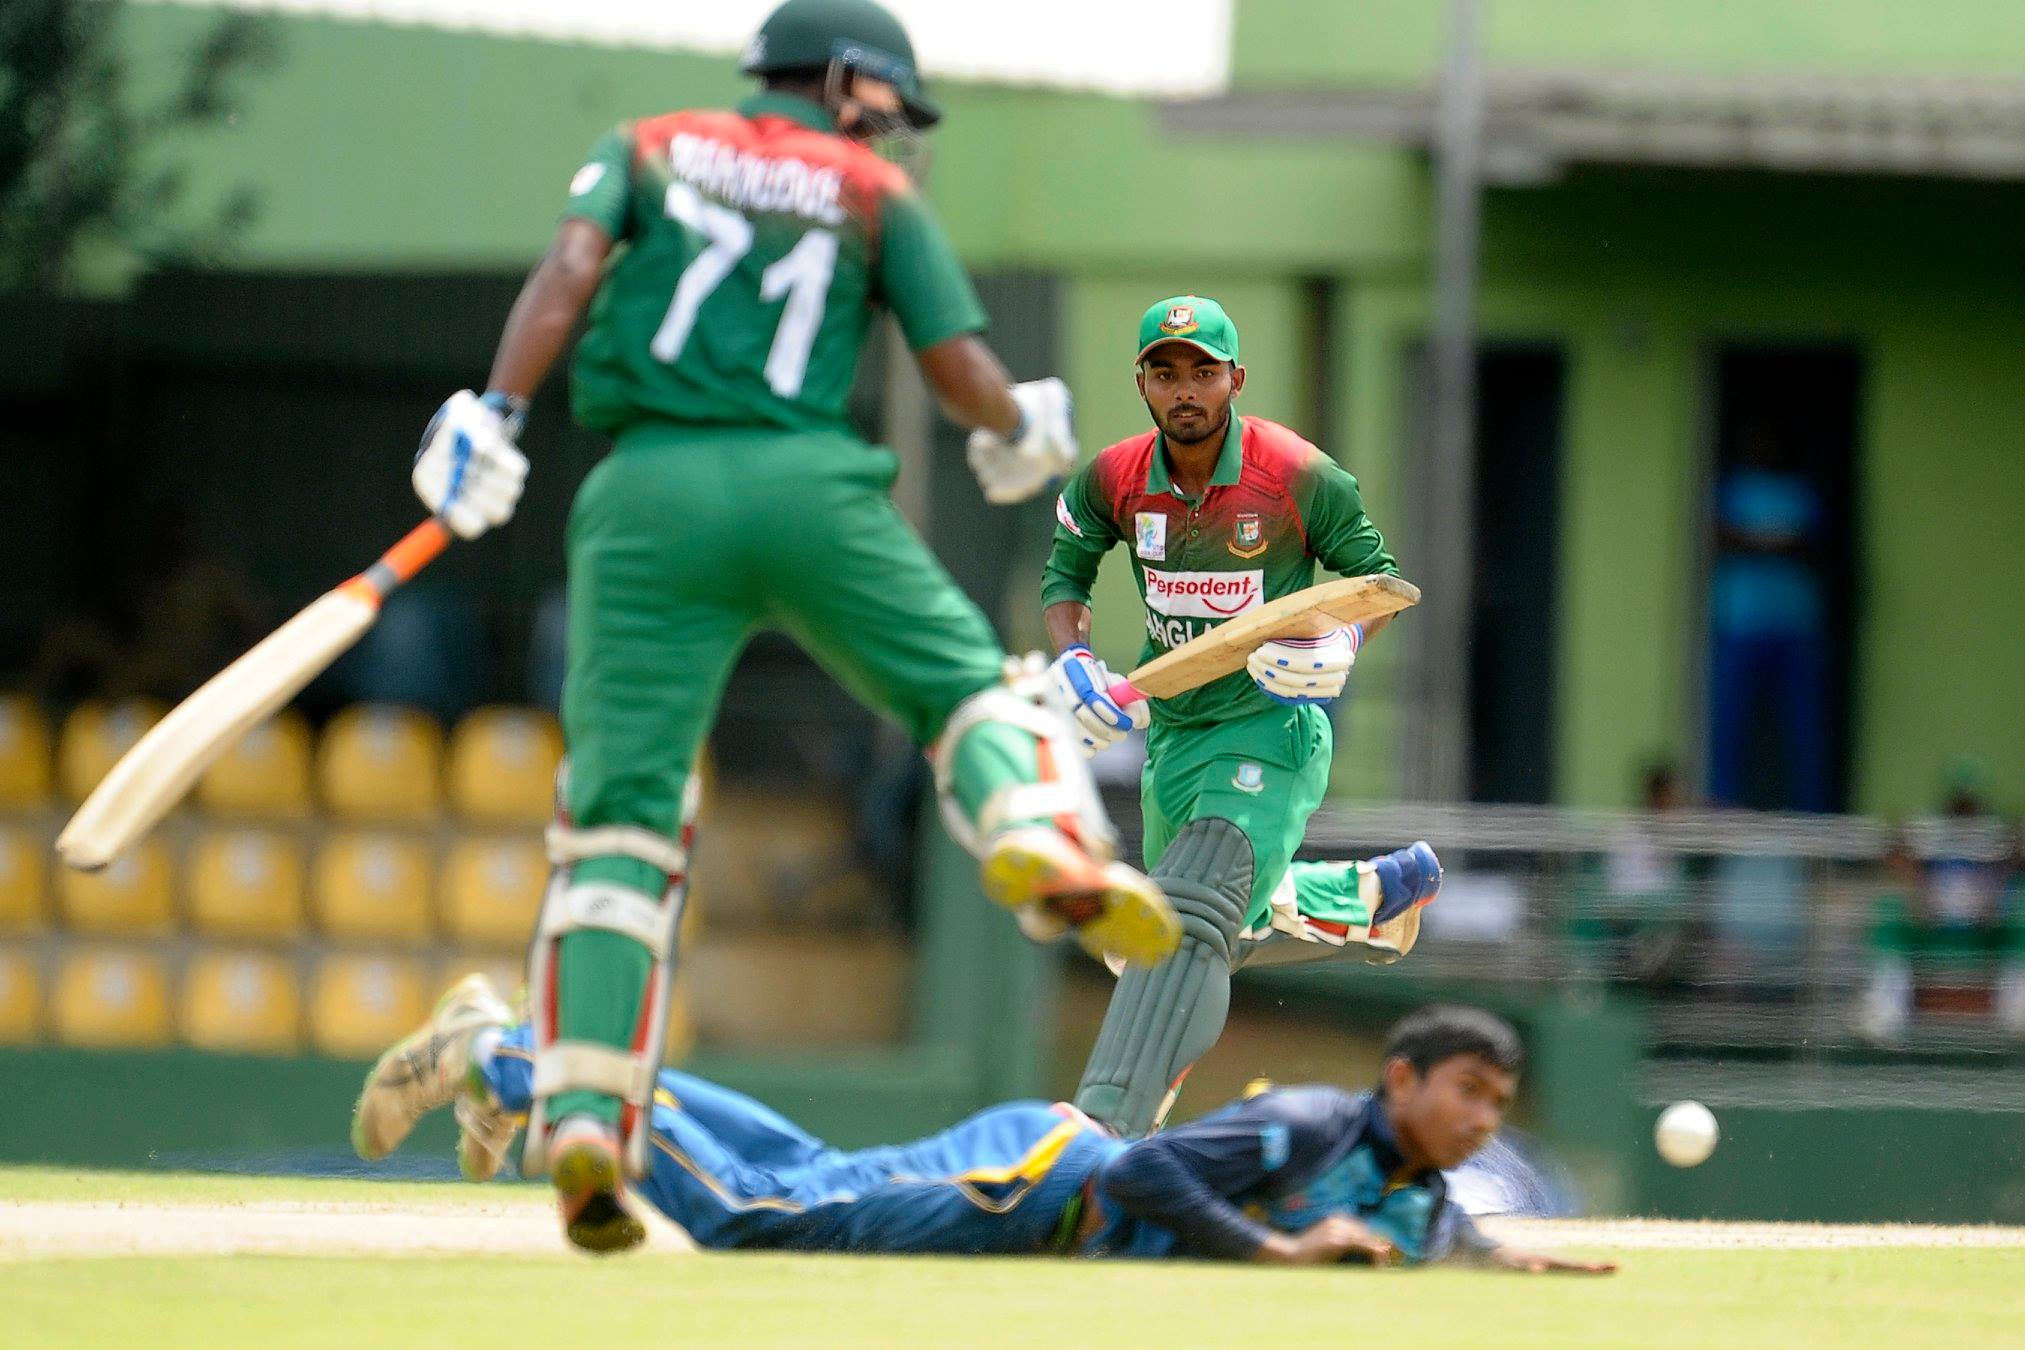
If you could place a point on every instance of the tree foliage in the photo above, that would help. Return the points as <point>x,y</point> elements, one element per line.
<point>80,152</point>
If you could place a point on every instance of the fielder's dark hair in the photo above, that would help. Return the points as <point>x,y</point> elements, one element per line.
<point>1436,1034</point>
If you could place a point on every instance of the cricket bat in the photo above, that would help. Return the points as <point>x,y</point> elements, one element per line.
<point>1305,613</point>
<point>155,774</point>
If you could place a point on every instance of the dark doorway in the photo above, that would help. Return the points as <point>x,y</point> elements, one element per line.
<point>1513,626</point>
<point>1782,575</point>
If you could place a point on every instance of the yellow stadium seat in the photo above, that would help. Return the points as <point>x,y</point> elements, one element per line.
<point>243,1001</point>
<point>111,998</point>
<point>265,774</point>
<point>362,1004</point>
<point>378,762</point>
<point>24,753</point>
<point>491,890</point>
<point>502,766</point>
<point>131,895</point>
<point>23,879</point>
<point>95,735</point>
<point>245,883</point>
<point>20,999</point>
<point>372,886</point>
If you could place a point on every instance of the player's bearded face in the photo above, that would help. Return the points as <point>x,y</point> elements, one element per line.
<point>1446,1114</point>
<point>1188,391</point>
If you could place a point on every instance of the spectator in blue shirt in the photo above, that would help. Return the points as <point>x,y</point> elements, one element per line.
<point>1768,629</point>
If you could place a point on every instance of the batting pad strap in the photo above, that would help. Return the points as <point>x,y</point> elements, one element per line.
<point>615,909</point>
<point>1025,801</point>
<point>1022,703</point>
<point>584,1066</point>
<point>567,844</point>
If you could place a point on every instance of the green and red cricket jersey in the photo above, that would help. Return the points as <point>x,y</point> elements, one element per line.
<point>756,247</point>
<point>1274,508</point>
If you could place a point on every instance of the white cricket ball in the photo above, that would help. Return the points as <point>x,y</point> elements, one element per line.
<point>1686,1134</point>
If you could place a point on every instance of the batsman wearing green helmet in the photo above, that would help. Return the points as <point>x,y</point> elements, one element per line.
<point>732,262</point>
<point>1221,514</point>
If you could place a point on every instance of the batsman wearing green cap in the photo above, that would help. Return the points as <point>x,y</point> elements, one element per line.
<point>732,263</point>
<point>1221,514</point>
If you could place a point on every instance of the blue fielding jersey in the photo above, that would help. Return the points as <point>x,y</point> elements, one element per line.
<point>1279,1161</point>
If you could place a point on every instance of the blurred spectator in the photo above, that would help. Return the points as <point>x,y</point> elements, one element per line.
<point>174,612</point>
<point>426,651</point>
<point>547,650</point>
<point>1636,918</point>
<point>1768,631</point>
<point>1955,921</point>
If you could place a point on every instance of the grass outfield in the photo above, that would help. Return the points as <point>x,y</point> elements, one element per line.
<point>1701,1298</point>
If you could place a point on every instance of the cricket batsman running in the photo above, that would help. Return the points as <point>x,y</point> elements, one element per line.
<point>732,263</point>
<point>1289,1176</point>
<point>1222,514</point>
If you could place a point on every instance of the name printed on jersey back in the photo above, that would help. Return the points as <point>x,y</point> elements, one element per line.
<point>755,183</point>
<point>1204,595</point>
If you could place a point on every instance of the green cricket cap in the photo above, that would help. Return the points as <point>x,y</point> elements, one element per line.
<point>1195,319</point>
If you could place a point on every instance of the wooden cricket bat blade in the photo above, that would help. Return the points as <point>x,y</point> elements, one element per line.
<point>155,774</point>
<point>1306,613</point>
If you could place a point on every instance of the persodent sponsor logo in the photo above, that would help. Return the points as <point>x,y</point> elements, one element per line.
<point>1204,595</point>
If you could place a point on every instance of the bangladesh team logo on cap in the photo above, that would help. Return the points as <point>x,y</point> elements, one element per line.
<point>1194,319</point>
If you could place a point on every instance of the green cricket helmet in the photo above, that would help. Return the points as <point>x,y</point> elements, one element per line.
<point>855,34</point>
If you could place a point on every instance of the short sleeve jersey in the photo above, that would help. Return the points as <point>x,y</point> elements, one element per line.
<point>1275,507</point>
<point>755,248</point>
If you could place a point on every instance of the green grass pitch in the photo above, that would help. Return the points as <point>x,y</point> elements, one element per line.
<point>1708,1299</point>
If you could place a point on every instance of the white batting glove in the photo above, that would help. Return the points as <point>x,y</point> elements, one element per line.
<point>1082,683</point>
<point>469,472</point>
<point>1306,670</point>
<point>1040,452</point>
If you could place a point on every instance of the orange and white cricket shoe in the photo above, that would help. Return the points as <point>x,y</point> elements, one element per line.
<point>583,1155</point>
<point>1053,885</point>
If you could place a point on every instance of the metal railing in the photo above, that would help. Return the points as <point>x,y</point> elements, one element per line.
<point>1747,936</point>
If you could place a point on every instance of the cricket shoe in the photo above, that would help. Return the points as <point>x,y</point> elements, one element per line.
<point>583,1156</point>
<point>431,1066</point>
<point>1052,885</point>
<point>1406,879</point>
<point>484,1133</point>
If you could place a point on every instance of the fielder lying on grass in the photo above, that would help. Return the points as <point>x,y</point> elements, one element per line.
<point>1296,1175</point>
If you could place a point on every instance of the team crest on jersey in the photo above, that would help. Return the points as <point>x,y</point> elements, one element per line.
<point>1248,537</point>
<point>1180,319</point>
<point>1149,533</point>
<point>1249,778</point>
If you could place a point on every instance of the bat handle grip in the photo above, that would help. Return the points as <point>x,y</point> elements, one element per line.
<point>417,549</point>
<point>414,551</point>
<point>1123,691</point>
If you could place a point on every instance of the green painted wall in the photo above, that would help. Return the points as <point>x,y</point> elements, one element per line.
<point>453,153</point>
<point>1320,42</point>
